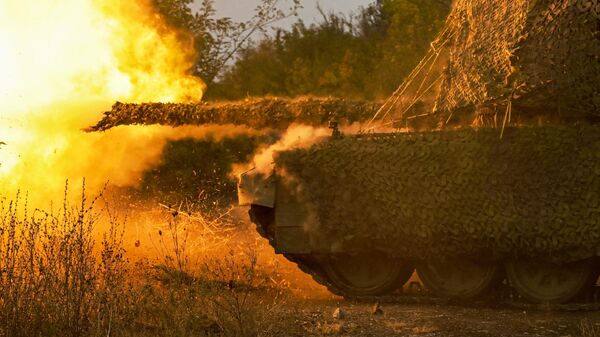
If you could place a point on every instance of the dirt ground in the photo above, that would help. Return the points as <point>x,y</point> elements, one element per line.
<point>315,317</point>
<point>311,311</point>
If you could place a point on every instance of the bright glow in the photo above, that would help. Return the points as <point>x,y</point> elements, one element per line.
<point>63,62</point>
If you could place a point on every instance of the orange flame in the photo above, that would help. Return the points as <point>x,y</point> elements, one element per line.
<point>62,62</point>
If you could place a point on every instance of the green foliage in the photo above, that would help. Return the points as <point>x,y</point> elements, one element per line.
<point>218,40</point>
<point>411,27</point>
<point>364,56</point>
<point>199,170</point>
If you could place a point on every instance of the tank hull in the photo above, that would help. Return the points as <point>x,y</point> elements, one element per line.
<point>535,193</point>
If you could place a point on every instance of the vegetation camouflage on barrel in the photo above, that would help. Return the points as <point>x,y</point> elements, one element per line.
<point>274,113</point>
<point>534,193</point>
<point>542,54</point>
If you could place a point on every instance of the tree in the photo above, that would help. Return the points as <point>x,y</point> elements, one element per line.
<point>365,55</point>
<point>410,27</point>
<point>218,40</point>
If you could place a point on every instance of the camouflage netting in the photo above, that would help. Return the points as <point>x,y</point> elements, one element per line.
<point>536,193</point>
<point>542,55</point>
<point>274,113</point>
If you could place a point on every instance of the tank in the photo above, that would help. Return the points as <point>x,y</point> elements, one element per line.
<point>493,179</point>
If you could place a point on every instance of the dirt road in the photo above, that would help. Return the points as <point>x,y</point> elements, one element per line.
<point>315,317</point>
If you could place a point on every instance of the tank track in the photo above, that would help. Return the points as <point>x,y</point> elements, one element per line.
<point>503,297</point>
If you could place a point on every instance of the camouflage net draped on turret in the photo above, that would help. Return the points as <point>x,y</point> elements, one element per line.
<point>273,113</point>
<point>535,193</point>
<point>542,55</point>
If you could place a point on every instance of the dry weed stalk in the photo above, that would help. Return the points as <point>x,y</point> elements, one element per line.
<point>242,295</point>
<point>235,291</point>
<point>51,282</point>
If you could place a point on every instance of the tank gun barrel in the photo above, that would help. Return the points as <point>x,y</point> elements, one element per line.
<point>273,113</point>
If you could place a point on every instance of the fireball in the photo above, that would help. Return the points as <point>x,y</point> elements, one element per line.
<point>63,62</point>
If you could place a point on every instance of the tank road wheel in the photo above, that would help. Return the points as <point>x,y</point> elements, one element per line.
<point>545,282</point>
<point>369,274</point>
<point>459,279</point>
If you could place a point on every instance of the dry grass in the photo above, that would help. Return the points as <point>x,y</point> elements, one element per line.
<point>54,279</point>
<point>589,329</point>
<point>328,329</point>
<point>60,277</point>
<point>420,330</point>
<point>397,326</point>
<point>208,266</point>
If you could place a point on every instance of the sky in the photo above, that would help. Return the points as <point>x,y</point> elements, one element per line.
<point>241,10</point>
